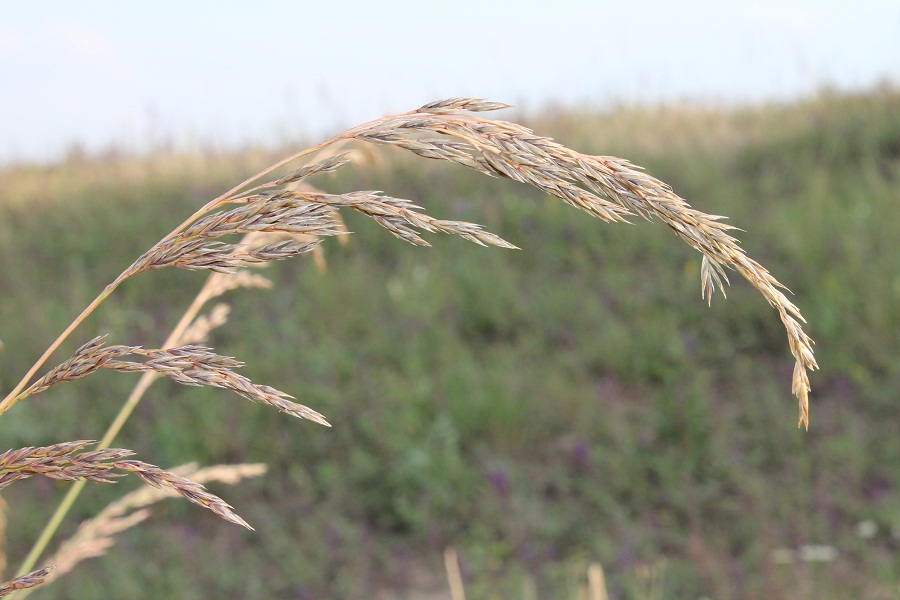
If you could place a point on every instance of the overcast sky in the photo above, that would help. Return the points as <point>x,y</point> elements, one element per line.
<point>225,73</point>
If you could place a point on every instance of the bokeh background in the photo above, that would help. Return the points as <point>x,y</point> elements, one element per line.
<point>538,411</point>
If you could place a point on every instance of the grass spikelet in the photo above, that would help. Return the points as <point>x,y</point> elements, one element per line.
<point>192,491</point>
<point>87,359</point>
<point>33,579</point>
<point>398,215</point>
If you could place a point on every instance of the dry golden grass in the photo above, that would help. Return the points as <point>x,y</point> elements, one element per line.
<point>95,536</point>
<point>282,217</point>
<point>68,462</point>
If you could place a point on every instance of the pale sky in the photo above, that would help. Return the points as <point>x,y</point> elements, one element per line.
<point>225,73</point>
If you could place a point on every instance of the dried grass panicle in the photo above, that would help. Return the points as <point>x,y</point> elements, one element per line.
<point>606,187</point>
<point>267,212</point>
<point>86,359</point>
<point>96,535</point>
<point>398,216</point>
<point>184,487</point>
<point>199,366</point>
<point>191,248</point>
<point>271,252</point>
<point>64,461</point>
<point>187,365</point>
<point>33,579</point>
<point>327,165</point>
<point>462,103</point>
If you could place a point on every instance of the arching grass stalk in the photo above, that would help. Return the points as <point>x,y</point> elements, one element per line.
<point>286,219</point>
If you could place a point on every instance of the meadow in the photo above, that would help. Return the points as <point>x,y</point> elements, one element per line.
<point>537,410</point>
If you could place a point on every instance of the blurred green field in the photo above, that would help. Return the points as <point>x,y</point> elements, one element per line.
<point>572,402</point>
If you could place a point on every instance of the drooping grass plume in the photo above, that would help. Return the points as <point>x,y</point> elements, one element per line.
<point>187,365</point>
<point>282,217</point>
<point>64,461</point>
<point>606,187</point>
<point>67,462</point>
<point>196,493</point>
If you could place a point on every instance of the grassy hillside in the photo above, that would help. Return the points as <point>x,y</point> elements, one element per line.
<point>538,410</point>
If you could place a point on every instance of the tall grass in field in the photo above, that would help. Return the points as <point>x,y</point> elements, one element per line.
<point>275,215</point>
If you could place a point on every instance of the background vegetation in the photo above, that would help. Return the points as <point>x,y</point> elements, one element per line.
<point>571,402</point>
